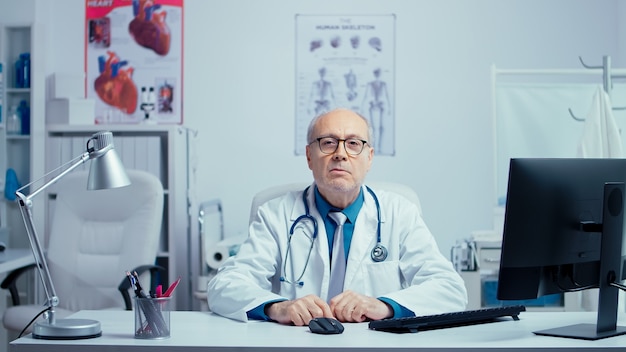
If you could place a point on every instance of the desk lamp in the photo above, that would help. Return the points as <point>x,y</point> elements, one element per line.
<point>106,171</point>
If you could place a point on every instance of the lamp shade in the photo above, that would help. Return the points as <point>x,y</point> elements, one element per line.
<point>107,171</point>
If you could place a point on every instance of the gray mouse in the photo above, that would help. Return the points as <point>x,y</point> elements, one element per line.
<point>325,326</point>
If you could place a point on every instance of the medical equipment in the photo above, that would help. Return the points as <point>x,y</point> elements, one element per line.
<point>378,254</point>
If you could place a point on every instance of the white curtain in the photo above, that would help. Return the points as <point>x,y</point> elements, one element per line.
<point>532,120</point>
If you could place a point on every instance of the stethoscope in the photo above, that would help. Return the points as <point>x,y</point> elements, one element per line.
<point>378,253</point>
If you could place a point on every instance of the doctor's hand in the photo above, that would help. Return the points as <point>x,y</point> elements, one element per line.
<point>350,306</point>
<point>299,311</point>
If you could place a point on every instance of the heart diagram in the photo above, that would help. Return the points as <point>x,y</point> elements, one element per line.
<point>115,85</point>
<point>148,28</point>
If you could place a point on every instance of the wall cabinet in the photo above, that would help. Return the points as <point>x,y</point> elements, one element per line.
<point>160,150</point>
<point>22,152</point>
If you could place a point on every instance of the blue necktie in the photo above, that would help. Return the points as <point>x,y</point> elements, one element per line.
<point>338,260</point>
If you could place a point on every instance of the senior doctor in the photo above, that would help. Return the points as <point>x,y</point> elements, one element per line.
<point>393,267</point>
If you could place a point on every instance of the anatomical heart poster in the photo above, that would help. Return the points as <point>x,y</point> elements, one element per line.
<point>134,60</point>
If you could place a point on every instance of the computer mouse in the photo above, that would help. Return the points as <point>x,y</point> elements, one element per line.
<point>3,246</point>
<point>325,326</point>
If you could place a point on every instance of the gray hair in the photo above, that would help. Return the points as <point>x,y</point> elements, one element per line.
<point>309,135</point>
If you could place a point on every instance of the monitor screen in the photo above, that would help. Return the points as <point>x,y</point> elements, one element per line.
<point>558,213</point>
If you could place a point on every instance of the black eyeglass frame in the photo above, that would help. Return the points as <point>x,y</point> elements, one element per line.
<point>319,144</point>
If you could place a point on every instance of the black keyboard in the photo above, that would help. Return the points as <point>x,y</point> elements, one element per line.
<point>446,320</point>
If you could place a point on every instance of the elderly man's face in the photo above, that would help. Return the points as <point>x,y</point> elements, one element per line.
<point>339,171</point>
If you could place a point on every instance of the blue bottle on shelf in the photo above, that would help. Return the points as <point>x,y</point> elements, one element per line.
<point>22,71</point>
<point>23,112</point>
<point>19,73</point>
<point>1,90</point>
<point>26,69</point>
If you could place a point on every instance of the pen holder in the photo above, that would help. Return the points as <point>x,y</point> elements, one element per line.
<point>152,318</point>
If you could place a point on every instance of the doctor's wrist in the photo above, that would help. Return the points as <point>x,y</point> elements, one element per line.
<point>277,311</point>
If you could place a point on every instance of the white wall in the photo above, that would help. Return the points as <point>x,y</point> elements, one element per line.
<point>240,79</point>
<point>242,64</point>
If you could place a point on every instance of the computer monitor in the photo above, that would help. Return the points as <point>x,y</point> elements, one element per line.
<point>563,228</point>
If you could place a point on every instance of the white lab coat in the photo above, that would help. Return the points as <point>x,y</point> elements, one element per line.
<point>415,273</point>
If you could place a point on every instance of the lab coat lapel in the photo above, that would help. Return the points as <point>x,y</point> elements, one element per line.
<point>363,239</point>
<point>320,248</point>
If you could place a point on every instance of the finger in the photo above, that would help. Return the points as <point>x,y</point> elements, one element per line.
<point>358,314</point>
<point>310,307</point>
<point>343,311</point>
<point>338,302</point>
<point>345,304</point>
<point>339,313</point>
<point>326,311</point>
<point>348,313</point>
<point>351,307</point>
<point>299,313</point>
<point>302,317</point>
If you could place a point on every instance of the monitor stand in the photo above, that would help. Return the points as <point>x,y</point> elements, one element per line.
<point>582,332</point>
<point>610,267</point>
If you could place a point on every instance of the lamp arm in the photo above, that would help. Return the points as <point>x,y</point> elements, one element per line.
<point>76,162</point>
<point>26,204</point>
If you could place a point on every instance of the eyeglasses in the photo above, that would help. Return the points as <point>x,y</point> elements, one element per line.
<point>329,145</point>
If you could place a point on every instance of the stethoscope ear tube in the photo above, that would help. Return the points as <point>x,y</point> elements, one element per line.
<point>301,218</point>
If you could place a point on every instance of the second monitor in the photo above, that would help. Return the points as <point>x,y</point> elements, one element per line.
<point>563,228</point>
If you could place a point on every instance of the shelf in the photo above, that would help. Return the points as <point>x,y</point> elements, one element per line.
<point>134,128</point>
<point>24,137</point>
<point>17,90</point>
<point>18,151</point>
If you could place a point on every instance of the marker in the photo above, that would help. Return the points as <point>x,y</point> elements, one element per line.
<point>170,289</point>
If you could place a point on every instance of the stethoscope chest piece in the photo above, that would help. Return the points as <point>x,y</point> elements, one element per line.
<point>379,253</point>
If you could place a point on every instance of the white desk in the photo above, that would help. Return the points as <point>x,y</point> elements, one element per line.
<point>203,331</point>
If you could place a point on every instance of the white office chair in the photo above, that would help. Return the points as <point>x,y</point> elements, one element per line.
<point>95,237</point>
<point>276,191</point>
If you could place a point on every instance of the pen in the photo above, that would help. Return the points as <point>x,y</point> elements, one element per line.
<point>138,289</point>
<point>133,283</point>
<point>170,289</point>
<point>159,291</point>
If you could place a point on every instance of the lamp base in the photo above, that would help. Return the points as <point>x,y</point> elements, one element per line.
<point>67,329</point>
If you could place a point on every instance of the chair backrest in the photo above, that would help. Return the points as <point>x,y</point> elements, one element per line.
<point>276,191</point>
<point>96,236</point>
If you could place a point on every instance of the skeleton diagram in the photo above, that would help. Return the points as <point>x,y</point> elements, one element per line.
<point>322,95</point>
<point>377,98</point>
